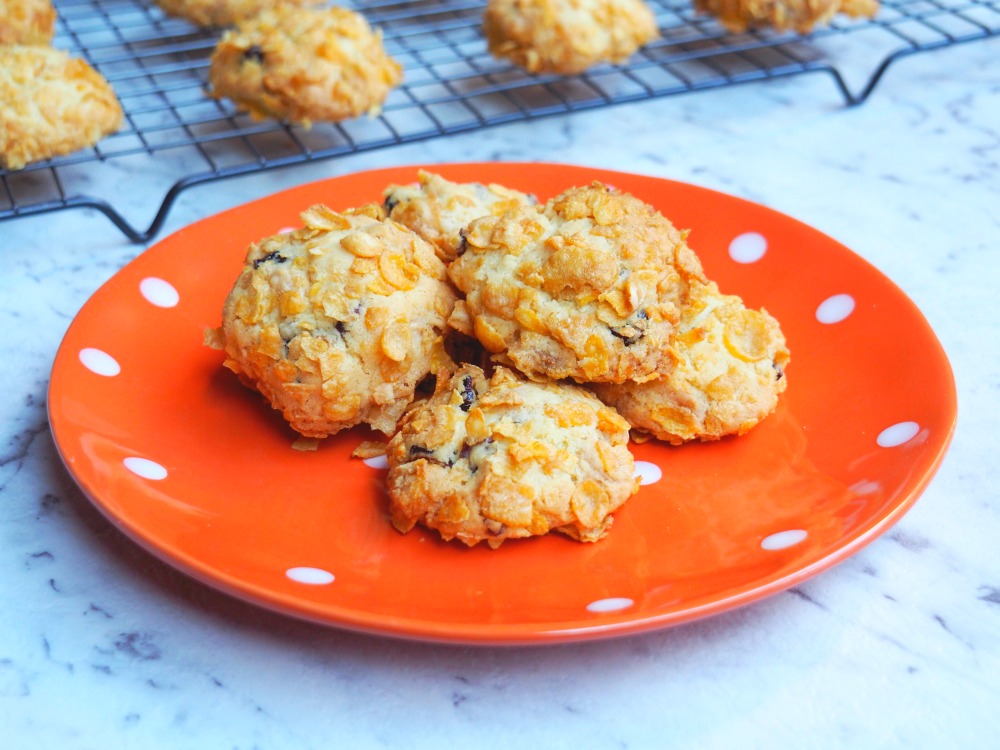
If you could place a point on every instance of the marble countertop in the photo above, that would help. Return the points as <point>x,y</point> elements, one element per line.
<point>103,646</point>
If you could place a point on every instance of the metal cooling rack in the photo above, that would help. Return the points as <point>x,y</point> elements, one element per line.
<point>176,136</point>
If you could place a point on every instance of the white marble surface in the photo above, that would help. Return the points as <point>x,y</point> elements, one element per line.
<point>101,646</point>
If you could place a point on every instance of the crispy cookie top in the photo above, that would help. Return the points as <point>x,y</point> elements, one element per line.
<point>587,287</point>
<point>502,458</point>
<point>304,65</point>
<point>728,369</point>
<point>439,210</point>
<point>337,322</point>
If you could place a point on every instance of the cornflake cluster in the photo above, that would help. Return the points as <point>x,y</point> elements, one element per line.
<point>507,348</point>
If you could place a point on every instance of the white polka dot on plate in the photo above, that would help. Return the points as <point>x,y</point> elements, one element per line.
<point>866,487</point>
<point>897,434</point>
<point>784,539</point>
<point>310,576</point>
<point>611,604</point>
<point>99,362</point>
<point>377,462</point>
<point>748,247</point>
<point>159,292</point>
<point>143,467</point>
<point>835,309</point>
<point>647,472</point>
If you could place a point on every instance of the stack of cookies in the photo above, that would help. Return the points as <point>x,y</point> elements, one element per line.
<point>599,288</point>
<point>507,348</point>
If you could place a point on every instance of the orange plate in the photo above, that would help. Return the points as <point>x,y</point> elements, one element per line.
<point>201,472</point>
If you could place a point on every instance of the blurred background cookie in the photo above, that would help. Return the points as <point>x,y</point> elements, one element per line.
<point>439,210</point>
<point>27,21</point>
<point>51,104</point>
<point>502,458</point>
<point>337,323</point>
<point>224,12</point>
<point>800,15</point>
<point>567,36</point>
<point>304,65</point>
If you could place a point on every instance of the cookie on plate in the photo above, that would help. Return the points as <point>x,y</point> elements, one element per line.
<point>304,65</point>
<point>53,104</point>
<point>27,21</point>
<point>800,15</point>
<point>439,210</point>
<point>337,323</point>
<point>727,373</point>
<point>586,287</point>
<point>567,36</point>
<point>503,458</point>
<point>224,12</point>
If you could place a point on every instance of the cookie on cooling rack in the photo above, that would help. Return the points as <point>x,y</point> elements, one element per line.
<point>53,104</point>
<point>799,15</point>
<point>567,36</point>
<point>439,210</point>
<point>27,21</point>
<point>304,65</point>
<point>503,458</point>
<point>586,287</point>
<point>224,12</point>
<point>727,371</point>
<point>336,323</point>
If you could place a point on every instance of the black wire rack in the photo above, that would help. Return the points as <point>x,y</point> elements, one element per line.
<point>176,135</point>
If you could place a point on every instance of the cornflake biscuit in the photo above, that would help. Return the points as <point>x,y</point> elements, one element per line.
<point>27,21</point>
<point>587,287</point>
<point>52,104</point>
<point>224,12</point>
<point>439,210</point>
<point>304,65</point>
<point>503,458</point>
<point>336,323</point>
<point>567,36</point>
<point>727,373</point>
<point>800,15</point>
